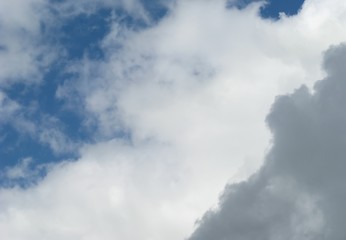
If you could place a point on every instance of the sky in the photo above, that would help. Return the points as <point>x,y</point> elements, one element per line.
<point>172,119</point>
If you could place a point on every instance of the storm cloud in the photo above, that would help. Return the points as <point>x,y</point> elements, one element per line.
<point>299,192</point>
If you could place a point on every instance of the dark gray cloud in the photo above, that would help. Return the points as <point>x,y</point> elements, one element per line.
<point>300,192</point>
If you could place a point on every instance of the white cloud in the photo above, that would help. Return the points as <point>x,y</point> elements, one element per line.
<point>109,197</point>
<point>193,92</point>
<point>204,78</point>
<point>23,55</point>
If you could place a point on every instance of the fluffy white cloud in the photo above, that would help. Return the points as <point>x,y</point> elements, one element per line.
<point>112,196</point>
<point>203,81</point>
<point>192,92</point>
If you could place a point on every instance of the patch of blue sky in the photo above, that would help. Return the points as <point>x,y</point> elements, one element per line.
<point>273,8</point>
<point>82,34</point>
<point>24,174</point>
<point>155,8</point>
<point>79,37</point>
<point>16,146</point>
<point>25,181</point>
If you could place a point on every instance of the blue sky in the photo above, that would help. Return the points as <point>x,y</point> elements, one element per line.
<point>181,119</point>
<point>273,8</point>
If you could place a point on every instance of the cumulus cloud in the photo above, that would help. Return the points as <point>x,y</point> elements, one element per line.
<point>205,59</point>
<point>298,193</point>
<point>179,107</point>
<point>182,81</point>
